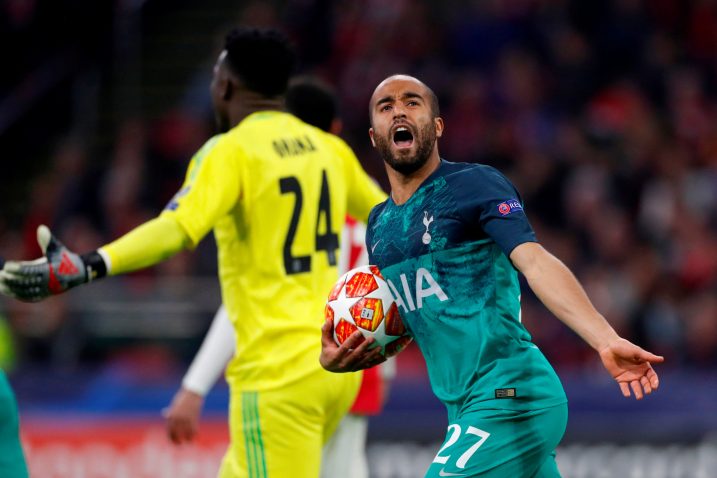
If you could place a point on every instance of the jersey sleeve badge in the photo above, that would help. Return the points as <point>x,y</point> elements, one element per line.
<point>509,206</point>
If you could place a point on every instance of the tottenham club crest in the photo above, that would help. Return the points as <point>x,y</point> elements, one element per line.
<point>426,222</point>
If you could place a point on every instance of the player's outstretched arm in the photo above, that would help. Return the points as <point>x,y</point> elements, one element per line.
<point>57,271</point>
<point>562,294</point>
<point>60,269</point>
<point>351,356</point>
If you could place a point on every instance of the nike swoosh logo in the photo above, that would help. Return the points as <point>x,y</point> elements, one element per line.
<point>373,248</point>
<point>446,473</point>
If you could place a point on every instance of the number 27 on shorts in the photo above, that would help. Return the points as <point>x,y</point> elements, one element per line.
<point>455,433</point>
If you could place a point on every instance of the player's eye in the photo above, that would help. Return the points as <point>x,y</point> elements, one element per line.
<point>412,103</point>
<point>385,107</point>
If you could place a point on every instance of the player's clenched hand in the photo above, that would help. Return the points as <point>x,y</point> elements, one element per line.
<point>353,355</point>
<point>59,270</point>
<point>631,367</point>
<point>183,416</point>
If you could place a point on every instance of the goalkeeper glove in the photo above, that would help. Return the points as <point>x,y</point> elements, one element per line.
<point>58,271</point>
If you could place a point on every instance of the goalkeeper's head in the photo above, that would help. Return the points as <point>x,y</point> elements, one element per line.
<point>251,74</point>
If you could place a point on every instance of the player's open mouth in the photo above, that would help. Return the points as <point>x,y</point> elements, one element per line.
<point>402,137</point>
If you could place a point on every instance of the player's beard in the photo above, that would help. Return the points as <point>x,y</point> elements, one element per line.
<point>404,164</point>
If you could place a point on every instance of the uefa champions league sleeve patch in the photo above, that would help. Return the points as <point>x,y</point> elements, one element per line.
<point>174,202</point>
<point>509,206</point>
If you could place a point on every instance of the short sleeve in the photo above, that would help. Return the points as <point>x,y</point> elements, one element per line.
<point>493,200</point>
<point>211,187</point>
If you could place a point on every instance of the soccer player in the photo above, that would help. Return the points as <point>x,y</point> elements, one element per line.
<point>345,454</point>
<point>275,191</point>
<point>449,241</point>
<point>12,458</point>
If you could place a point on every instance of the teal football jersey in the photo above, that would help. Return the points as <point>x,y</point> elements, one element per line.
<point>445,254</point>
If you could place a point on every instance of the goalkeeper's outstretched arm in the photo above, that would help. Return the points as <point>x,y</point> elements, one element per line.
<point>60,269</point>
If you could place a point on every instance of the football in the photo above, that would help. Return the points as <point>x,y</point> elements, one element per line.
<point>362,300</point>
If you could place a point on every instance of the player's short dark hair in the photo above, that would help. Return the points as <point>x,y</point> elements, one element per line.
<point>312,102</point>
<point>262,58</point>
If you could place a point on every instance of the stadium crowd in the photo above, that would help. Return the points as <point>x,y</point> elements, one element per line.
<point>603,113</point>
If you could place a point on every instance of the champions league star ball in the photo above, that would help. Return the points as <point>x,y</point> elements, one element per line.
<point>362,300</point>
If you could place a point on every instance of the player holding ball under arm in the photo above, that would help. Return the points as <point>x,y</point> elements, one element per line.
<point>450,237</point>
<point>275,191</point>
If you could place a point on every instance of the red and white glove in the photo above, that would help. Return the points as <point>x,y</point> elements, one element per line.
<point>58,271</point>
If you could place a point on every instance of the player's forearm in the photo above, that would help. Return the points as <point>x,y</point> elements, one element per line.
<point>144,246</point>
<point>558,289</point>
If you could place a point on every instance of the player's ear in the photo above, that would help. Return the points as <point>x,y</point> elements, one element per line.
<point>227,87</point>
<point>370,135</point>
<point>438,121</point>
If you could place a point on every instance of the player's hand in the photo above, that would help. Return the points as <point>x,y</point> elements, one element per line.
<point>182,416</point>
<point>59,270</point>
<point>631,367</point>
<point>353,355</point>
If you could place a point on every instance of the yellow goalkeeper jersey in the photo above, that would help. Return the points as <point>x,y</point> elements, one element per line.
<point>276,192</point>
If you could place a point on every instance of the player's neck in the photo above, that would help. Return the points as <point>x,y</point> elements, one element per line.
<point>403,186</point>
<point>241,109</point>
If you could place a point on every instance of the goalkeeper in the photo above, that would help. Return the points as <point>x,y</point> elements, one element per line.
<point>345,454</point>
<point>275,191</point>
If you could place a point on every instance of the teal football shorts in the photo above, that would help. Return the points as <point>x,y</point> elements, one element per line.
<point>502,443</point>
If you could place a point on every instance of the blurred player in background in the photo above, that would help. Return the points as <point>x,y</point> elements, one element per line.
<point>275,191</point>
<point>451,237</point>
<point>12,458</point>
<point>345,454</point>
